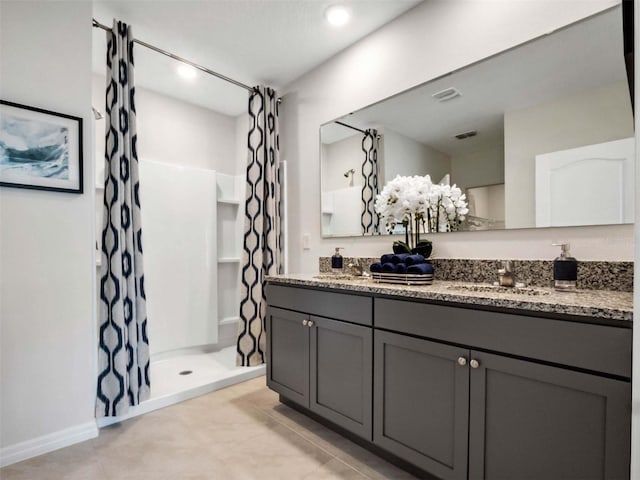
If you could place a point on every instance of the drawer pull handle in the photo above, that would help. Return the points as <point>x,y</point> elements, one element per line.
<point>474,363</point>
<point>462,361</point>
<point>305,322</point>
<point>310,323</point>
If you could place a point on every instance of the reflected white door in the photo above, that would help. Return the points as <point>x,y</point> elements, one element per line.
<point>590,185</point>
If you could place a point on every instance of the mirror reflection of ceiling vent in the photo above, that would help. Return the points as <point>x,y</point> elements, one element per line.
<point>446,94</point>
<point>463,135</point>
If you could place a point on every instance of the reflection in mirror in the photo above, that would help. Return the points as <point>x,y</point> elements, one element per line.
<point>539,135</point>
<point>348,205</point>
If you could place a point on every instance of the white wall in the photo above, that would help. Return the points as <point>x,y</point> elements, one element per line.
<point>176,132</point>
<point>408,157</point>
<point>479,168</point>
<point>339,157</point>
<point>48,335</point>
<point>430,40</point>
<point>593,116</point>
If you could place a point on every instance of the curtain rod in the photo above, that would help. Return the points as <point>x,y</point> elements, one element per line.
<point>353,128</point>
<point>349,126</point>
<point>180,59</point>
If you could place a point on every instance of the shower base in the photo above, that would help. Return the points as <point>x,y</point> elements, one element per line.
<point>171,384</point>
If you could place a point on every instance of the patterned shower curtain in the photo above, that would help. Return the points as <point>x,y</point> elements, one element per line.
<point>369,219</point>
<point>123,378</point>
<point>262,251</point>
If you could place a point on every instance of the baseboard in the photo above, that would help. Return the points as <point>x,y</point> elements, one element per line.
<point>47,443</point>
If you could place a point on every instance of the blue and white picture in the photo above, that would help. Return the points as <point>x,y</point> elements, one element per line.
<point>40,149</point>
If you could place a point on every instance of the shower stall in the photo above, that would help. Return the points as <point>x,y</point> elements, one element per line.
<point>192,193</point>
<point>191,221</point>
<point>192,169</point>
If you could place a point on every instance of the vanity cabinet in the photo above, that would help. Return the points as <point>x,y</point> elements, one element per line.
<point>440,407</point>
<point>539,421</point>
<point>459,392</point>
<point>540,417</point>
<point>321,363</point>
<point>421,403</point>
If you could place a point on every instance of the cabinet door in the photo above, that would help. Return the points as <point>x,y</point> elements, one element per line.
<point>341,374</point>
<point>288,354</point>
<point>421,403</point>
<point>532,421</point>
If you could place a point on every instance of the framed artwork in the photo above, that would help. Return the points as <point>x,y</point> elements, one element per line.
<point>40,149</point>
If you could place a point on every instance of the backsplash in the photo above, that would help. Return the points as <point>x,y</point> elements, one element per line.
<point>592,275</point>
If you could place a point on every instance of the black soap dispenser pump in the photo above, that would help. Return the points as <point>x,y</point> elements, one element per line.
<point>565,270</point>
<point>336,261</point>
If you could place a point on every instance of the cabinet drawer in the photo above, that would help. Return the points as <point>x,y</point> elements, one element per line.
<point>340,306</point>
<point>593,347</point>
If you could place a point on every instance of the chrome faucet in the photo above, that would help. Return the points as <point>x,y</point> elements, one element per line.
<point>355,269</point>
<point>506,277</point>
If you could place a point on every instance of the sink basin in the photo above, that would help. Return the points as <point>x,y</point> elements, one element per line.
<point>498,289</point>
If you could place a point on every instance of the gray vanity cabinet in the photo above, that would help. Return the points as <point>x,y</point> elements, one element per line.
<point>341,372</point>
<point>288,354</point>
<point>421,403</point>
<point>320,363</point>
<point>517,419</point>
<point>458,392</point>
<point>438,394</point>
<point>535,421</point>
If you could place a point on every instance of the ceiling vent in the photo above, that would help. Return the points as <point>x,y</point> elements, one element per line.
<point>446,94</point>
<point>470,133</point>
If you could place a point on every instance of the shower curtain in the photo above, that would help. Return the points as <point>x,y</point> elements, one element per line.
<point>369,220</point>
<point>262,251</point>
<point>123,353</point>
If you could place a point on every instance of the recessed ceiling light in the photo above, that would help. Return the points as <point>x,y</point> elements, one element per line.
<point>337,15</point>
<point>186,71</point>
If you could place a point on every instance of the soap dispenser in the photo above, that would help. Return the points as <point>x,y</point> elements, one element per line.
<point>336,261</point>
<point>565,270</point>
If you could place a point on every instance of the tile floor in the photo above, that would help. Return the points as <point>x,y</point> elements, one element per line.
<point>240,432</point>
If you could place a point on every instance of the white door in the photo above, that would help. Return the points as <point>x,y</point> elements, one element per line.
<point>590,185</point>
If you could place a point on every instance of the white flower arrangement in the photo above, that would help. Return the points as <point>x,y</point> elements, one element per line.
<point>409,200</point>
<point>447,208</point>
<point>403,199</point>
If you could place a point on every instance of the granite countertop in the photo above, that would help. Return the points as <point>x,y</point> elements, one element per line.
<point>602,304</point>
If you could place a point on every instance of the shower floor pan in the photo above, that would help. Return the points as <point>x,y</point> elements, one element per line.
<point>170,382</point>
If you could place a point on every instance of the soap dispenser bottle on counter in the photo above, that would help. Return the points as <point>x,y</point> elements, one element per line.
<point>565,270</point>
<point>336,261</point>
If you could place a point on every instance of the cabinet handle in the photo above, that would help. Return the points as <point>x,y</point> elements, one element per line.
<point>310,323</point>
<point>462,361</point>
<point>305,322</point>
<point>474,363</point>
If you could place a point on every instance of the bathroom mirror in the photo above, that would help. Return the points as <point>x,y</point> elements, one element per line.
<point>539,135</point>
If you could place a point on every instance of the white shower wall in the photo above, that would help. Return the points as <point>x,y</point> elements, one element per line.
<point>180,255</point>
<point>197,140</point>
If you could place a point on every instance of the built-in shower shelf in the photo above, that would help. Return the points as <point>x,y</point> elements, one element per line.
<point>229,260</point>
<point>228,320</point>
<point>229,201</point>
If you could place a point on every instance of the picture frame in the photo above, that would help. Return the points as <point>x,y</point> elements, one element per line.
<point>40,149</point>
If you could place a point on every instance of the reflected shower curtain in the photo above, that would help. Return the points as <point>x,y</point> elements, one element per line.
<point>369,219</point>
<point>123,353</point>
<point>262,250</point>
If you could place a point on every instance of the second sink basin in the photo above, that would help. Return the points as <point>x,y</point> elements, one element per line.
<point>498,289</point>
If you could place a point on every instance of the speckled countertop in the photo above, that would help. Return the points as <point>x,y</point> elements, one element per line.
<point>602,304</point>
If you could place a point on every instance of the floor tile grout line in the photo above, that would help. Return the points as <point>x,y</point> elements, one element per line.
<point>300,434</point>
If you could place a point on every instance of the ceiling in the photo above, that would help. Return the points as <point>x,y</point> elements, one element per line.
<point>585,55</point>
<point>269,42</point>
